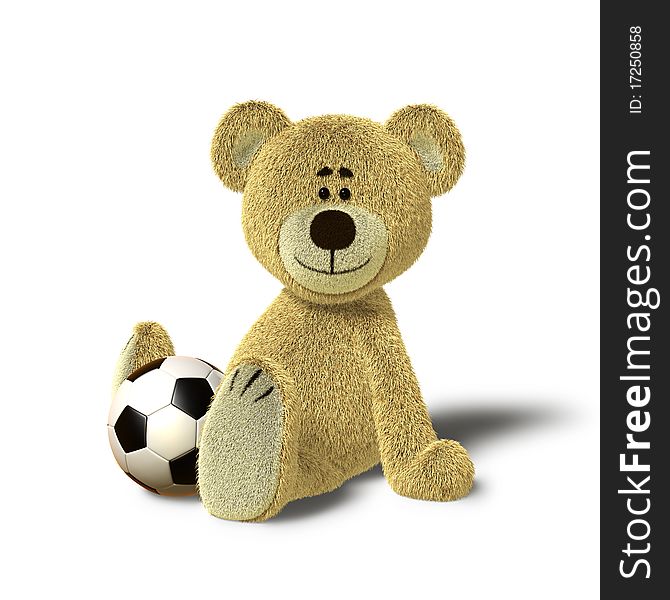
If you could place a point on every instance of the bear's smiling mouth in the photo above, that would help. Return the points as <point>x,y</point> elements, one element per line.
<point>329,268</point>
<point>332,266</point>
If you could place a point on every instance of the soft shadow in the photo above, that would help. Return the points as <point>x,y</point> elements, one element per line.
<point>482,420</point>
<point>309,507</point>
<point>153,497</point>
<point>478,422</point>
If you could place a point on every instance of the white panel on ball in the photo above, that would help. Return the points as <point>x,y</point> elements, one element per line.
<point>214,379</point>
<point>152,391</point>
<point>120,401</point>
<point>185,366</point>
<point>119,454</point>
<point>149,468</point>
<point>170,432</point>
<point>198,431</point>
<point>178,490</point>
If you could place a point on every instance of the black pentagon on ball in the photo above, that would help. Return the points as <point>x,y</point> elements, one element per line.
<point>183,468</point>
<point>131,429</point>
<point>192,395</point>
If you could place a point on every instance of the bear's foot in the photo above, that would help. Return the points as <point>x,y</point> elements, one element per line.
<point>442,471</point>
<point>148,342</point>
<point>242,447</point>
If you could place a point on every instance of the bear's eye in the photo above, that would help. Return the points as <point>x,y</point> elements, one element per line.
<point>345,194</point>
<point>324,193</point>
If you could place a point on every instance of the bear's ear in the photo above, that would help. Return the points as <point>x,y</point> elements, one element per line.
<point>238,137</point>
<point>435,139</point>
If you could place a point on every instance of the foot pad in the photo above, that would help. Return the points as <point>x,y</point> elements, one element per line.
<point>240,447</point>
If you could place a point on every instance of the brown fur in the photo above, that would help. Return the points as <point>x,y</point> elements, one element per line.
<point>334,359</point>
<point>357,397</point>
<point>149,341</point>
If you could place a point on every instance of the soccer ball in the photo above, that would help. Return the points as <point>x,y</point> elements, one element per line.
<point>155,422</point>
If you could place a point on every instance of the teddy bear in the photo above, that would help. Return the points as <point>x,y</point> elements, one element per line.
<point>321,388</point>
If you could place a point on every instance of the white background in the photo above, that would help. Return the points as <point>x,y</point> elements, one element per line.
<point>111,214</point>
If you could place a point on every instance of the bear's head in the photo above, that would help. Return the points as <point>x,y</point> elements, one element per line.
<point>336,206</point>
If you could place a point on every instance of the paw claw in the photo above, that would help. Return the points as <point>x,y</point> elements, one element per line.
<point>251,379</point>
<point>265,394</point>
<point>240,446</point>
<point>256,374</point>
<point>232,380</point>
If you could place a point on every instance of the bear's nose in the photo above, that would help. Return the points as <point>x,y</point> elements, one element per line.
<point>332,230</point>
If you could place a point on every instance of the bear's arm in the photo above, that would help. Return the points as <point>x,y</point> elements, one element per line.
<point>401,419</point>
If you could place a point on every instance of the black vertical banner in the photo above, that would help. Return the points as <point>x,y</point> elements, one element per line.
<point>635,265</point>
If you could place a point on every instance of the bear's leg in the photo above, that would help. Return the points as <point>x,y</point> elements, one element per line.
<point>148,342</point>
<point>247,456</point>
